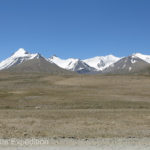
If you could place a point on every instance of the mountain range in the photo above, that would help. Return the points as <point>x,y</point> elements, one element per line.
<point>23,61</point>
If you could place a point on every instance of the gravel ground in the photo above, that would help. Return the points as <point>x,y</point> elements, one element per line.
<point>88,144</point>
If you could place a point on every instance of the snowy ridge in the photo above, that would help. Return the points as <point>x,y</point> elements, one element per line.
<point>64,63</point>
<point>17,58</point>
<point>101,62</point>
<point>143,57</point>
<point>72,64</point>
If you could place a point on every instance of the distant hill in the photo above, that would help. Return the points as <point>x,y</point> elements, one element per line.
<point>38,65</point>
<point>23,61</point>
<point>128,65</point>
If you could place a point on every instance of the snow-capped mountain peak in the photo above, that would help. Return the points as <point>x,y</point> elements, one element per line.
<point>71,64</point>
<point>18,57</point>
<point>63,63</point>
<point>20,53</point>
<point>101,62</point>
<point>142,56</point>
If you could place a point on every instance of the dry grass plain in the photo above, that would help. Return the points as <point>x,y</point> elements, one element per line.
<point>76,106</point>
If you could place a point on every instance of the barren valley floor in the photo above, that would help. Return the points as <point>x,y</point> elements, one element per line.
<point>74,106</point>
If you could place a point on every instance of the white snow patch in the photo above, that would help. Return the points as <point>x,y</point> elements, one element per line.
<point>124,66</point>
<point>80,68</point>
<point>133,61</point>
<point>130,68</point>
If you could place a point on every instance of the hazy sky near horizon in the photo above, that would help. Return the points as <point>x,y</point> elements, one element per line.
<point>75,28</point>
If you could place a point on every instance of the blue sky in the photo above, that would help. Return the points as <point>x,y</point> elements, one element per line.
<point>75,28</point>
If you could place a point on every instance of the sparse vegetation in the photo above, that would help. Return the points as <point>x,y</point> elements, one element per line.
<point>79,106</point>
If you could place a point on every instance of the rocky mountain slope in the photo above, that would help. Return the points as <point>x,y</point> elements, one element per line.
<point>72,64</point>
<point>126,65</point>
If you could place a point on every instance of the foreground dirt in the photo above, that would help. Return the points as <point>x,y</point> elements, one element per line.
<point>76,124</point>
<point>94,144</point>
